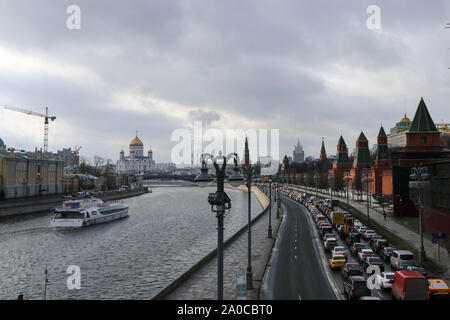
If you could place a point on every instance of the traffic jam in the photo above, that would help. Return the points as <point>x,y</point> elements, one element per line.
<point>364,264</point>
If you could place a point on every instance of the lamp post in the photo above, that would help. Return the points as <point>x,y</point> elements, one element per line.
<point>331,184</point>
<point>219,202</point>
<point>248,173</point>
<point>367,179</point>
<point>269,230</point>
<point>418,186</point>
<point>305,180</point>
<point>347,180</point>
<point>316,182</point>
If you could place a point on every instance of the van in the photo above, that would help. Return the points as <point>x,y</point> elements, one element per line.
<point>409,285</point>
<point>400,259</point>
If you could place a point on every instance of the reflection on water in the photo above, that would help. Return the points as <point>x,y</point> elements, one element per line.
<point>167,232</point>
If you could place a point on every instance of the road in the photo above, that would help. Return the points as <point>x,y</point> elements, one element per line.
<point>295,210</point>
<point>300,273</point>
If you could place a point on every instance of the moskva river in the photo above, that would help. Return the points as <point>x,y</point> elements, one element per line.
<point>167,232</point>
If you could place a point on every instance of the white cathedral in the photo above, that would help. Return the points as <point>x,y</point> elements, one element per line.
<point>136,163</point>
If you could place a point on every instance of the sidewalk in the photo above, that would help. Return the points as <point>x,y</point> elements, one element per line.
<point>406,234</point>
<point>203,283</point>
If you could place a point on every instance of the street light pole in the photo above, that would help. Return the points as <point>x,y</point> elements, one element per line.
<point>269,231</point>
<point>347,182</point>
<point>367,180</point>
<point>419,183</point>
<point>248,172</point>
<point>219,202</point>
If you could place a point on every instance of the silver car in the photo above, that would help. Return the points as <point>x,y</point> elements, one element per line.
<point>400,259</point>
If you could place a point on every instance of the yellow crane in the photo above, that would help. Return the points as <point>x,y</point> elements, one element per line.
<point>46,117</point>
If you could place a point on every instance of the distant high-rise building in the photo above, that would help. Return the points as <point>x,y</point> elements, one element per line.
<point>298,154</point>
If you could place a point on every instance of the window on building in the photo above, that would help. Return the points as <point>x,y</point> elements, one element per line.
<point>424,140</point>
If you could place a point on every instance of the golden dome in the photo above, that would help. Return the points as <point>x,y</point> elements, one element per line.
<point>150,150</point>
<point>121,151</point>
<point>443,127</point>
<point>405,119</point>
<point>136,142</point>
<point>131,151</point>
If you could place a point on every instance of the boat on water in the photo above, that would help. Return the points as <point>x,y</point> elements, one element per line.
<point>85,212</point>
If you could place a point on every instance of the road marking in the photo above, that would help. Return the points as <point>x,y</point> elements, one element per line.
<point>299,297</point>
<point>295,256</point>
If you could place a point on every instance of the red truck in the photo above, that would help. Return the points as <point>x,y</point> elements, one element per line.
<point>409,285</point>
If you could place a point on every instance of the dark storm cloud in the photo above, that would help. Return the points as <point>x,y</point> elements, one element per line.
<point>310,68</point>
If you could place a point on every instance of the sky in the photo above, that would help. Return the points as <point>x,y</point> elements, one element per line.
<point>311,69</point>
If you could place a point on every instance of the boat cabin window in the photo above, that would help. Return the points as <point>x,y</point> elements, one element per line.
<point>69,215</point>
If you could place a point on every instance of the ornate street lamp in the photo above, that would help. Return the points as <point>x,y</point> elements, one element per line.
<point>347,180</point>
<point>316,182</point>
<point>367,180</point>
<point>248,174</point>
<point>418,188</point>
<point>269,230</point>
<point>219,202</point>
<point>331,184</point>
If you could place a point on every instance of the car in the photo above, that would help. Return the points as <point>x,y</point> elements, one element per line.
<point>366,234</point>
<point>364,253</point>
<point>384,280</point>
<point>328,235</point>
<point>409,285</point>
<point>401,259</point>
<point>386,253</point>
<point>353,237</point>
<point>356,247</point>
<point>340,250</point>
<point>351,269</point>
<point>330,243</point>
<point>369,298</point>
<point>324,230</point>
<point>337,261</point>
<point>355,287</point>
<point>438,288</point>
<point>374,237</point>
<point>379,244</point>
<point>420,270</point>
<point>373,261</point>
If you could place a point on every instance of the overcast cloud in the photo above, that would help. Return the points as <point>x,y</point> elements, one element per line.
<point>309,68</point>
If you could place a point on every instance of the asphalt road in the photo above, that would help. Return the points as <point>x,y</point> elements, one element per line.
<point>300,273</point>
<point>296,210</point>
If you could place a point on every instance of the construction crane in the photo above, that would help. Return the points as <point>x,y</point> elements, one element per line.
<point>77,150</point>
<point>46,117</point>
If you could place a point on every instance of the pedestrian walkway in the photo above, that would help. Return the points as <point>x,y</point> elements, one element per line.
<point>203,283</point>
<point>406,234</point>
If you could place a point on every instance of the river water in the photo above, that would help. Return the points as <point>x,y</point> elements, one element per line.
<point>167,232</point>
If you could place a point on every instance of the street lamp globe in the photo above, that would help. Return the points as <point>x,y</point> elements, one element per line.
<point>236,178</point>
<point>204,178</point>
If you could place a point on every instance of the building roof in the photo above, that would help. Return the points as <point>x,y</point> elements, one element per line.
<point>136,142</point>
<point>422,121</point>
<point>381,133</point>
<point>362,137</point>
<point>323,153</point>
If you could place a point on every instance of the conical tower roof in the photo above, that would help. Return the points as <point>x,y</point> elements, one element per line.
<point>362,137</point>
<point>341,142</point>
<point>422,121</point>
<point>381,133</point>
<point>323,153</point>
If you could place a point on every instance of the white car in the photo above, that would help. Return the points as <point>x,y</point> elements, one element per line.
<point>384,280</point>
<point>340,250</point>
<point>364,253</point>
